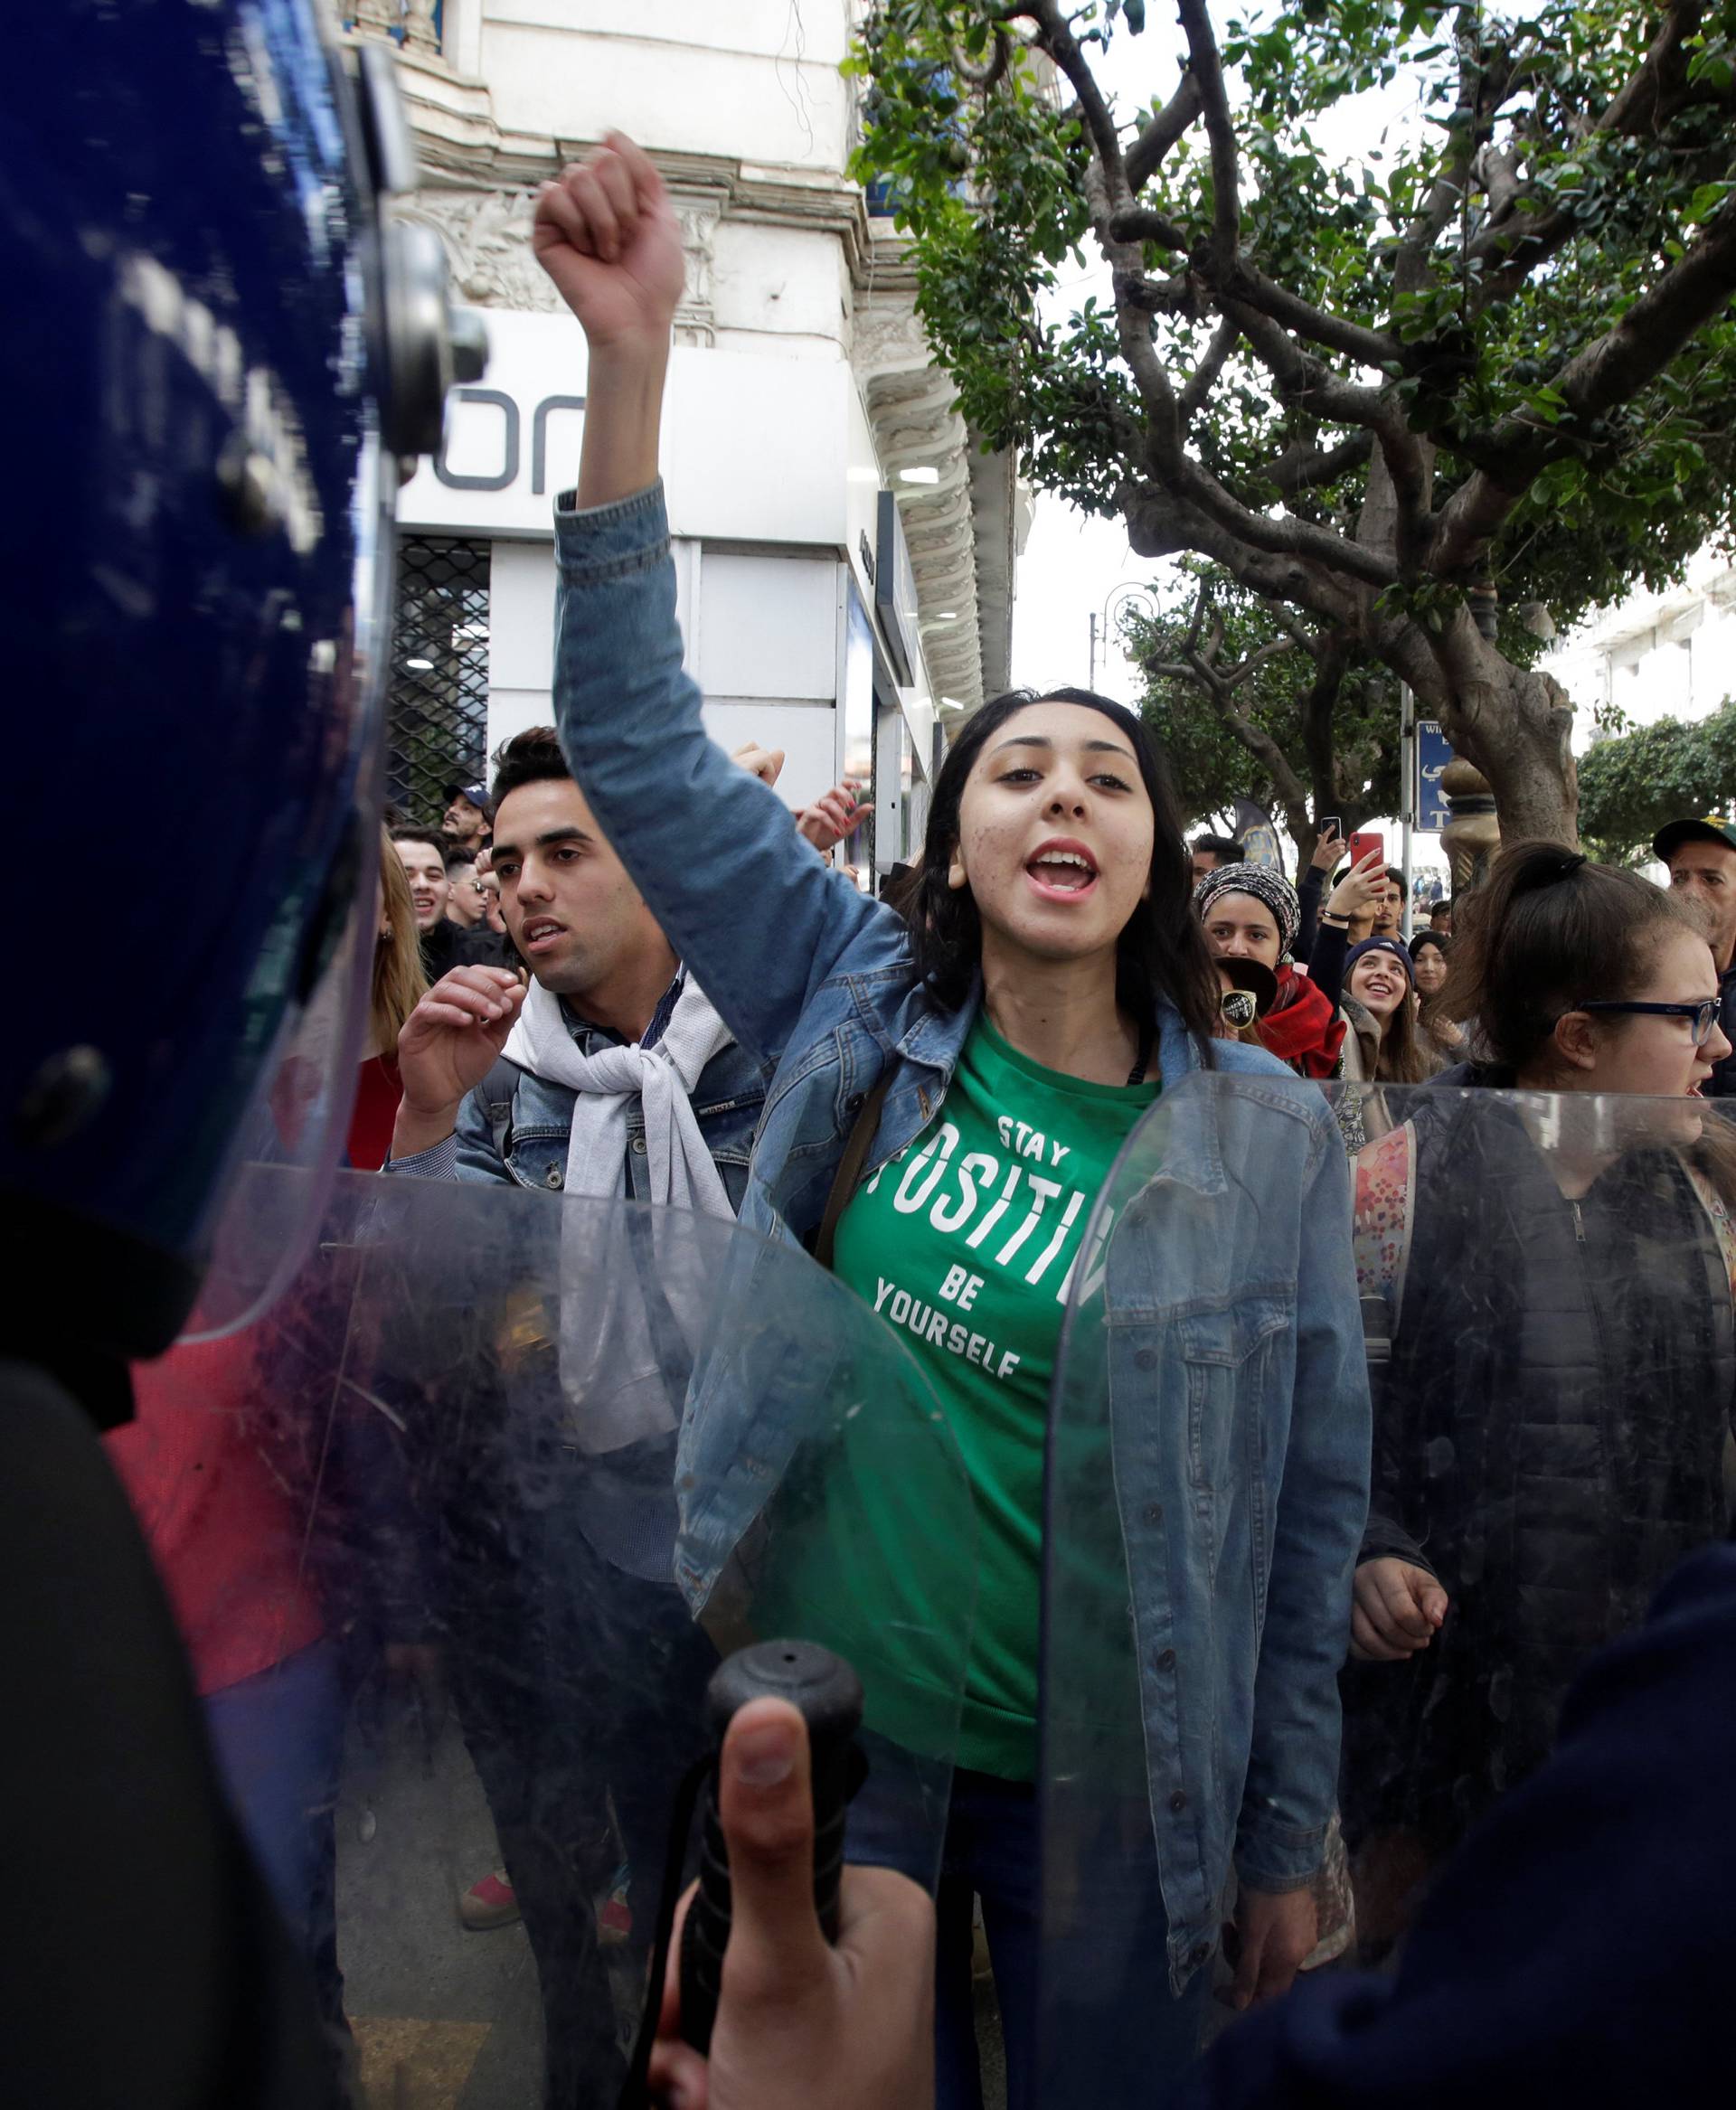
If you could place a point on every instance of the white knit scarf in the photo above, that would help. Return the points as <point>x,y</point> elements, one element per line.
<point>610,1369</point>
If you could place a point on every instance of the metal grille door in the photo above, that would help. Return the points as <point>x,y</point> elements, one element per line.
<point>438,722</point>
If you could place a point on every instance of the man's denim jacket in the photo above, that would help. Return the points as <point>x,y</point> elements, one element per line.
<point>1241,1562</point>
<point>515,1128</point>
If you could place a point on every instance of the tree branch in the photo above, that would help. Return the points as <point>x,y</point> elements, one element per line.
<point>1331,663</point>
<point>1259,743</point>
<point>1301,467</point>
<point>1219,131</point>
<point>1609,372</point>
<point>1146,156</point>
<point>1245,670</point>
<point>1367,347</point>
<point>1201,603</point>
<point>1062,47</point>
<point>1138,224</point>
<point>1479,99</point>
<point>1161,523</point>
<point>1404,523</point>
<point>1522,240</point>
<point>982,77</point>
<point>1304,380</point>
<point>1204,378</point>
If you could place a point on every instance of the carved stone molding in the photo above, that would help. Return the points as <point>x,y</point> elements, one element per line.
<point>695,318</point>
<point>486,233</point>
<point>487,239</point>
<point>964,530</point>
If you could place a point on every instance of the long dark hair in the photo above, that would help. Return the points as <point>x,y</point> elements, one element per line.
<point>1162,950</point>
<point>1546,930</point>
<point>1403,1058</point>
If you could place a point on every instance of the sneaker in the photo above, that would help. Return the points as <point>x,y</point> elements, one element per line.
<point>488,1904</point>
<point>615,1915</point>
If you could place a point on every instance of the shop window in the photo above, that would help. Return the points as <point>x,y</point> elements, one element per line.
<point>438,704</point>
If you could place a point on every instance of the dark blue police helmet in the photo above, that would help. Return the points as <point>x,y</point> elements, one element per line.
<point>216,345</point>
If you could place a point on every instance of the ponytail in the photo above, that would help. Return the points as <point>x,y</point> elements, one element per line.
<point>1546,930</point>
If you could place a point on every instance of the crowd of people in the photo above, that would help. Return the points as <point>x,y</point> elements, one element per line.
<point>1057,958</point>
<point>1423,1401</point>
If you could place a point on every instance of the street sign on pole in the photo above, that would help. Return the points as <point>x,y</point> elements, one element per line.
<point>1433,754</point>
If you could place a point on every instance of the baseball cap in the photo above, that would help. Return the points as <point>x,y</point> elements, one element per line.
<point>1254,976</point>
<point>1712,828</point>
<point>477,794</point>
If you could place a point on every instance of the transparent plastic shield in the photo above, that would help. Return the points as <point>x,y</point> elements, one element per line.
<point>1538,1292</point>
<point>423,1524</point>
<point>296,1126</point>
<point>299,1114</point>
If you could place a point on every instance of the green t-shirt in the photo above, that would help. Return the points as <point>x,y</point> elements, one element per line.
<point>966,1244</point>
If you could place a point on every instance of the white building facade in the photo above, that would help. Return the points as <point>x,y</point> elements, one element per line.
<point>1653,655</point>
<point>845,552</point>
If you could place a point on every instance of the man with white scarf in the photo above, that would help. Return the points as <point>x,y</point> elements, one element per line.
<point>610,1075</point>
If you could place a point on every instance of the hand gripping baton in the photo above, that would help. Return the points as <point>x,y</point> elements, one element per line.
<point>827,1694</point>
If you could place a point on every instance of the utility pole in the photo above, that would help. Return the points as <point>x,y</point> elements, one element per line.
<point>1120,597</point>
<point>1410,783</point>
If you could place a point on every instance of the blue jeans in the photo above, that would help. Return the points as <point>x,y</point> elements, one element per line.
<point>991,1851</point>
<point>278,1741</point>
<point>581,1693</point>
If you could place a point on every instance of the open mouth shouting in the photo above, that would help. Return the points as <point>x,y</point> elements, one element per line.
<point>1062,869</point>
<point>539,935</point>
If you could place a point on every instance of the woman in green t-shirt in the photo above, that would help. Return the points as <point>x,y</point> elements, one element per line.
<point>1052,978</point>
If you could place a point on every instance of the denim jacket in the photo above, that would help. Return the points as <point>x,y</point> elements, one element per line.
<point>1241,1540</point>
<point>514,1127</point>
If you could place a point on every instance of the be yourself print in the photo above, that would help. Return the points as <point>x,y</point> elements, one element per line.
<point>1021,1220</point>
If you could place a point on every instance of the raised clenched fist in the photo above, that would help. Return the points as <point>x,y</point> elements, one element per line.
<point>606,234</point>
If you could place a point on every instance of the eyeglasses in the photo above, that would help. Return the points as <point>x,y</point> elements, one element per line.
<point>1704,1015</point>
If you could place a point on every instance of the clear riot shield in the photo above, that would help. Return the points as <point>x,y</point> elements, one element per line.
<point>422,1522</point>
<point>1539,1291</point>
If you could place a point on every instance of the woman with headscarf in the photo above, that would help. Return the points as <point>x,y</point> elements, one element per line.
<point>1430,951</point>
<point>1250,911</point>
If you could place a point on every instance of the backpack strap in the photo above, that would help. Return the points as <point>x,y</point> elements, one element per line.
<point>849,1172</point>
<point>1715,1207</point>
<point>1385,1220</point>
<point>497,1091</point>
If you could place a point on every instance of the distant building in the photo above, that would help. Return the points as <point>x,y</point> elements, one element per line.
<point>845,554</point>
<point>1669,654</point>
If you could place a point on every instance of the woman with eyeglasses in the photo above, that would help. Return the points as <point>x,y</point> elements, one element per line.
<point>1546,1279</point>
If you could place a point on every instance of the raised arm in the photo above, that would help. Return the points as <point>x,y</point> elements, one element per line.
<point>755,915</point>
<point>1353,893</point>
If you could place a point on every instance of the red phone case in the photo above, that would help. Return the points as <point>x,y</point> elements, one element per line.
<point>1361,846</point>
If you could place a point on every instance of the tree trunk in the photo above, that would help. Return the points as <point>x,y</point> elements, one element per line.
<point>1518,732</point>
<point>1513,724</point>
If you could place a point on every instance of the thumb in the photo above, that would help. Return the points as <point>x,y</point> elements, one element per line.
<point>766,1806</point>
<point>1431,1599</point>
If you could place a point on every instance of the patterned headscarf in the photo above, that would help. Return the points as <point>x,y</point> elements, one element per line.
<point>1265,885</point>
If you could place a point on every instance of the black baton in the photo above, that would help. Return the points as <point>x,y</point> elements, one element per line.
<point>827,1694</point>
